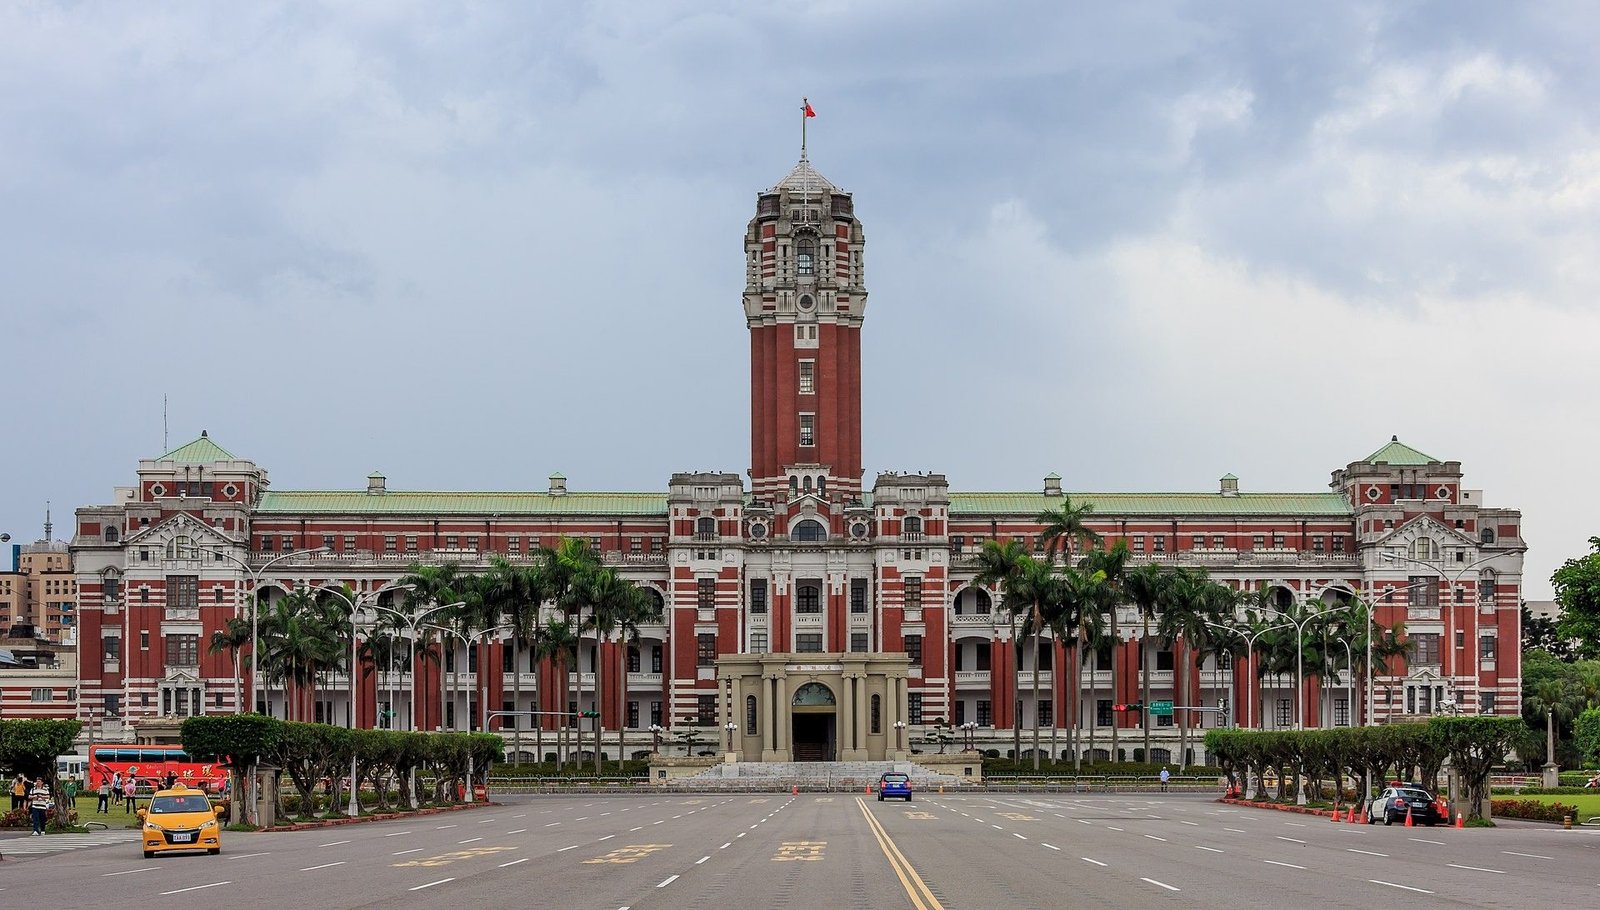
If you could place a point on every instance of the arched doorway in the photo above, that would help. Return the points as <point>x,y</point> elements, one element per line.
<point>814,731</point>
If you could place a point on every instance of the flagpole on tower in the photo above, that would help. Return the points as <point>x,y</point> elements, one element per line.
<point>805,114</point>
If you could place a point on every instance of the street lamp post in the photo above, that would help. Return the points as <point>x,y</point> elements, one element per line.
<point>1249,663</point>
<point>730,726</point>
<point>969,727</point>
<point>468,641</point>
<point>355,605</point>
<point>411,623</point>
<point>655,738</point>
<point>899,736</point>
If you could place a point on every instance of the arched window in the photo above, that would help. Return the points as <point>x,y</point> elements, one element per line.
<point>111,534</point>
<point>809,531</point>
<point>877,713</point>
<point>822,487</point>
<point>181,548</point>
<point>1486,534</point>
<point>808,484</point>
<point>1423,549</point>
<point>705,527</point>
<point>984,601</point>
<point>805,256</point>
<point>1486,583</point>
<point>808,598</point>
<point>1282,598</point>
<point>750,715</point>
<point>794,487</point>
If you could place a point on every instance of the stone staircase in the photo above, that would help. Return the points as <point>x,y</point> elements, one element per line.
<point>813,776</point>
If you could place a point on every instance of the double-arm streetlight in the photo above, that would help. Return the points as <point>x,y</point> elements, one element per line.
<point>355,605</point>
<point>255,604</point>
<point>655,737</point>
<point>468,641</point>
<point>1250,638</point>
<point>730,726</point>
<point>412,621</point>
<point>968,727</point>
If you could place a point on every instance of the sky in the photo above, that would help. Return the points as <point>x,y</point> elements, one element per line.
<point>471,244</point>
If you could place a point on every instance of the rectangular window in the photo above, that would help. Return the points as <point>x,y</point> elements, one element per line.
<point>914,708</point>
<point>1461,639</point>
<point>655,545</point>
<point>808,643</point>
<point>1047,713</point>
<point>216,597</point>
<point>1159,544</point>
<point>808,379</point>
<point>808,597</point>
<point>1338,543</point>
<point>411,543</point>
<point>655,658</point>
<point>758,595</point>
<point>1198,542</point>
<point>958,542</point>
<point>389,543</point>
<point>706,593</point>
<point>705,652</point>
<point>144,640</point>
<point>1317,542</point>
<point>113,704</point>
<point>808,429</point>
<point>42,695</point>
<point>1218,542</point>
<point>349,543</point>
<point>633,715</point>
<point>655,713</point>
<point>914,649</point>
<point>858,595</point>
<point>1485,702</point>
<point>183,650</point>
<point>183,592</point>
<point>1421,591</point>
<point>111,648</point>
<point>1138,543</point>
<point>1277,541</point>
<point>472,542</point>
<point>327,542</point>
<point>1285,713</point>
<point>913,592</point>
<point>1102,712</point>
<point>1258,541</point>
<point>636,545</point>
<point>706,715</point>
<point>1164,661</point>
<point>1424,647</point>
<point>1341,712</point>
<point>985,713</point>
<point>758,642</point>
<point>266,544</point>
<point>513,544</point>
<point>858,642</point>
<point>1488,647</point>
<point>983,657</point>
<point>961,713</point>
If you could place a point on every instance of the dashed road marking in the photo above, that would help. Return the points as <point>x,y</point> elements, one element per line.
<point>1088,860</point>
<point>669,880</point>
<point>1402,887</point>
<point>196,888</point>
<point>1424,840</point>
<point>323,866</point>
<point>1159,884</point>
<point>1153,837</point>
<point>1273,862</point>
<point>396,833</point>
<point>513,862</point>
<point>1474,868</point>
<point>470,840</point>
<point>404,852</point>
<point>1294,839</point>
<point>1051,846</point>
<point>334,844</point>
<point>1364,852</point>
<point>1208,849</point>
<point>1528,855</point>
<point>431,884</point>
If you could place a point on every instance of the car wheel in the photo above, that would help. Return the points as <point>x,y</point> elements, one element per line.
<point>880,797</point>
<point>908,797</point>
<point>149,853</point>
<point>1387,819</point>
<point>215,852</point>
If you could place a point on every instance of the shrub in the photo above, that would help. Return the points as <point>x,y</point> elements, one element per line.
<point>1531,809</point>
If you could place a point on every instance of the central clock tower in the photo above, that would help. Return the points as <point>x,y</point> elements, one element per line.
<point>804,302</point>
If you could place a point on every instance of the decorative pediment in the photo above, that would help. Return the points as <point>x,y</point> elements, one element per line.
<point>1424,675</point>
<point>181,525</point>
<point>1425,526</point>
<point>182,676</point>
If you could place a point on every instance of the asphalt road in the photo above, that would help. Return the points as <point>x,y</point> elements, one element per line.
<point>839,852</point>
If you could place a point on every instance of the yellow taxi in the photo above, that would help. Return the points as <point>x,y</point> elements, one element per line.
<point>181,818</point>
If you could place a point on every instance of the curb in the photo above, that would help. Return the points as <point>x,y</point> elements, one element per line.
<point>387,816</point>
<point>1276,807</point>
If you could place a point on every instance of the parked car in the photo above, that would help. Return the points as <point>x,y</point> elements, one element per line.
<point>1394,803</point>
<point>893,783</point>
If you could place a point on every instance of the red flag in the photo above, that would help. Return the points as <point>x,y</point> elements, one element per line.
<point>809,111</point>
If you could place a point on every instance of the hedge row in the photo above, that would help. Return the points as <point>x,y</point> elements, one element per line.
<point>1534,809</point>
<point>1474,746</point>
<point>313,754</point>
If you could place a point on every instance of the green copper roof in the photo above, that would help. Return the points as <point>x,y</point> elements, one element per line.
<point>342,502</point>
<point>1398,453</point>
<point>200,451</point>
<point>1116,504</point>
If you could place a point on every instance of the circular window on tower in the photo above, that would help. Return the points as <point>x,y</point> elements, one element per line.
<point>157,489</point>
<point>858,530</point>
<point>1373,493</point>
<point>758,530</point>
<point>230,491</point>
<point>806,303</point>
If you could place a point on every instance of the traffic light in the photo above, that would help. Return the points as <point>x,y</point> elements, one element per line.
<point>1135,707</point>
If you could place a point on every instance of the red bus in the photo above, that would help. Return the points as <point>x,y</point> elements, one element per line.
<point>150,765</point>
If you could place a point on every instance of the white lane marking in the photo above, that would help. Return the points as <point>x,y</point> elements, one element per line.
<point>334,844</point>
<point>581,819</point>
<point>195,888</point>
<point>396,833</point>
<point>997,827</point>
<point>608,837</point>
<point>1295,839</point>
<point>1235,830</point>
<point>701,860</point>
<point>404,852</point>
<point>1294,824</point>
<point>129,871</point>
<point>1424,840</point>
<point>1081,821</point>
<point>1015,834</point>
<point>604,814</point>
<point>1051,846</point>
<point>741,834</point>
<point>1185,822</point>
<point>1113,827</point>
<point>552,824</point>
<point>1365,852</point>
<point>442,827</point>
<point>248,855</point>
<point>525,815</point>
<point>1273,862</point>
<point>1403,887</point>
<point>488,820</point>
<point>726,845</point>
<point>1161,884</point>
<point>1208,849</point>
<point>431,884</point>
<point>565,849</point>
<point>659,821</point>
<point>513,862</point>
<point>1153,837</point>
<point>676,817</point>
<point>1474,868</point>
<point>669,880</point>
<point>469,840</point>
<point>1088,860</point>
<point>1528,855</point>
<point>323,866</point>
<point>518,831</point>
<point>631,830</point>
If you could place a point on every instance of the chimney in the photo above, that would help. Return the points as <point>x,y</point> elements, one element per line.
<point>1052,484</point>
<point>1230,485</point>
<point>375,483</point>
<point>558,484</point>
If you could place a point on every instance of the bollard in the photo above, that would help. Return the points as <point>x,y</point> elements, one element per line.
<point>941,789</point>
<point>1566,822</point>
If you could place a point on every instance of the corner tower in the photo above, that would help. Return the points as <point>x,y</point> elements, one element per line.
<point>804,302</point>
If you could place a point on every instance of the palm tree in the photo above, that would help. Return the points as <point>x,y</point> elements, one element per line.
<point>1065,526</point>
<point>641,609</point>
<point>293,645</point>
<point>232,637</point>
<point>1191,604</point>
<point>1558,700</point>
<point>999,565</point>
<point>557,642</point>
<point>1148,588</point>
<point>1083,622</point>
<point>1035,585</point>
<point>519,592</point>
<point>606,596</point>
<point>1112,567</point>
<point>433,586</point>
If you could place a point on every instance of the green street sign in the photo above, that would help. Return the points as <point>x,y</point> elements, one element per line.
<point>1161,708</point>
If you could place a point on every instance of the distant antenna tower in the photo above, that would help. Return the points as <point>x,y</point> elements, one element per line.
<point>47,521</point>
<point>163,423</point>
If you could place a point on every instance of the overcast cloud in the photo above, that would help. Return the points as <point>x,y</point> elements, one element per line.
<point>1141,245</point>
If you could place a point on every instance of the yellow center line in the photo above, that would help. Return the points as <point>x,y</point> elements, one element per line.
<point>916,888</point>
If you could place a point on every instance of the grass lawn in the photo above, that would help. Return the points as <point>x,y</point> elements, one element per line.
<point>1588,803</point>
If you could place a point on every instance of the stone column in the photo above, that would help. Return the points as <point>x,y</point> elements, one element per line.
<point>891,713</point>
<point>846,719</point>
<point>769,711</point>
<point>738,717</point>
<point>780,705</point>
<point>861,715</point>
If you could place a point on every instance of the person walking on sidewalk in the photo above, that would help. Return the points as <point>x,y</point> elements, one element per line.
<point>105,797</point>
<point>39,806</point>
<point>116,786</point>
<point>1165,776</point>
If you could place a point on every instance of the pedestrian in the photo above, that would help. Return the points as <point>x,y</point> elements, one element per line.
<point>130,793</point>
<point>116,787</point>
<point>69,792</point>
<point>39,805</point>
<point>105,796</point>
<point>1165,776</point>
<point>19,791</point>
<point>171,781</point>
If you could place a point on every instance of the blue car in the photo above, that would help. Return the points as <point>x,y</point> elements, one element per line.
<point>893,783</point>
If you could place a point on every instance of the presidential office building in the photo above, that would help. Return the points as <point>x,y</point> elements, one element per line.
<point>823,618</point>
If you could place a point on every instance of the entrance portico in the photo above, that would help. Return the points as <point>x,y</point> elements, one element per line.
<point>814,707</point>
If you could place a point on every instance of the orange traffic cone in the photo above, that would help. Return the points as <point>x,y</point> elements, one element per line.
<point>1352,818</point>
<point>1335,813</point>
<point>1409,823</point>
<point>795,791</point>
<point>1461,820</point>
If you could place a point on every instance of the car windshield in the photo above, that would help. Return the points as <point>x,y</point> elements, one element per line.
<point>1413,794</point>
<point>162,805</point>
<point>895,778</point>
